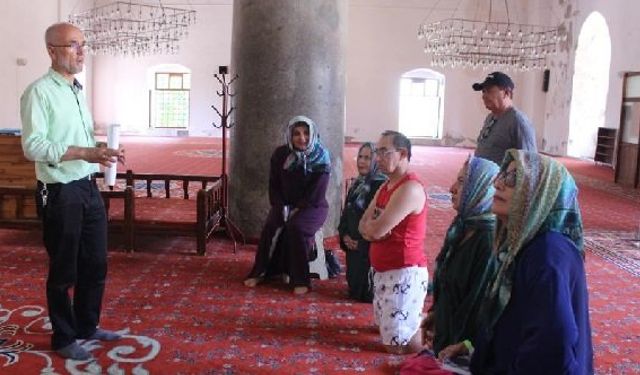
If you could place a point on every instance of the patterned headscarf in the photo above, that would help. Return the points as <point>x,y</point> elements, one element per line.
<point>545,198</point>
<point>361,187</point>
<point>476,198</point>
<point>315,158</point>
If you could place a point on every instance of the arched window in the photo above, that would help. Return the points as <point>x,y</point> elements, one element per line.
<point>170,86</point>
<point>421,103</point>
<point>590,86</point>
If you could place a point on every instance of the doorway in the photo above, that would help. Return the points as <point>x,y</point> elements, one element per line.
<point>590,87</point>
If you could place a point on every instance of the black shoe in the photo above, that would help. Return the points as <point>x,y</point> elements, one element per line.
<point>74,351</point>
<point>104,335</point>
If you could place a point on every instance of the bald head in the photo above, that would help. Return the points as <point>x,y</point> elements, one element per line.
<point>56,33</point>
<point>65,46</point>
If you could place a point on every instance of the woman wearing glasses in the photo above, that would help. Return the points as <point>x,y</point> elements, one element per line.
<point>357,248</point>
<point>535,316</point>
<point>298,181</point>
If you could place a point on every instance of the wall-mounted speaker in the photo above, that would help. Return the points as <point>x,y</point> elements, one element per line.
<point>545,80</point>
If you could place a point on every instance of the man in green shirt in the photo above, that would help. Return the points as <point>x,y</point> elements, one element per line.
<point>57,134</point>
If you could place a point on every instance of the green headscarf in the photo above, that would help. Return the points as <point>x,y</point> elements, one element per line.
<point>545,198</point>
<point>476,198</point>
<point>462,267</point>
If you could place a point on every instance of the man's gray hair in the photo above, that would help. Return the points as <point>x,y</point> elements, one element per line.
<point>53,30</point>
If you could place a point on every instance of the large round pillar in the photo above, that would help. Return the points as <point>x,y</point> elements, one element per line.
<point>289,56</point>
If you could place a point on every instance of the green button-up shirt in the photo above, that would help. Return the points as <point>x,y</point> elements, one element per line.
<point>55,116</point>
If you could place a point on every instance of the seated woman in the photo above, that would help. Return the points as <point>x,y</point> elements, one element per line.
<point>356,202</point>
<point>535,316</point>
<point>299,175</point>
<point>460,277</point>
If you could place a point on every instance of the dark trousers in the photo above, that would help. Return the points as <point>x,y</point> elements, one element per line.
<point>75,236</point>
<point>291,255</point>
<point>358,266</point>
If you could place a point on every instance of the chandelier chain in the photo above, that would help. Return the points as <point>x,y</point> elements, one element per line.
<point>490,9</point>
<point>455,10</point>
<point>506,6</point>
<point>431,11</point>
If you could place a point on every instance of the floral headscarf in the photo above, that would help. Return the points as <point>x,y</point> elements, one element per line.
<point>545,199</point>
<point>476,199</point>
<point>315,158</point>
<point>361,187</point>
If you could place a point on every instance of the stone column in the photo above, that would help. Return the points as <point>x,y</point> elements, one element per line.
<point>289,56</point>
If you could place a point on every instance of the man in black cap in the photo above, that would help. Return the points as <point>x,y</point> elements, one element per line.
<point>505,127</point>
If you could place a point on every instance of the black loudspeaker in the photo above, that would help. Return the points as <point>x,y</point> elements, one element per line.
<point>545,80</point>
<point>223,69</point>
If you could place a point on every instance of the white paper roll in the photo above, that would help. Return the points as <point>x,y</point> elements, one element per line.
<point>113,141</point>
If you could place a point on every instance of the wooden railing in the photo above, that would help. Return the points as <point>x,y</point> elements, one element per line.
<point>15,202</point>
<point>208,204</point>
<point>18,208</point>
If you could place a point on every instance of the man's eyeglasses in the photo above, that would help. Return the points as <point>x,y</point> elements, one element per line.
<point>382,152</point>
<point>508,178</point>
<point>73,45</point>
<point>486,130</point>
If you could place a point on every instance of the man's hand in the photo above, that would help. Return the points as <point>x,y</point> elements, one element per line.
<point>376,224</point>
<point>103,155</point>
<point>100,154</point>
<point>350,242</point>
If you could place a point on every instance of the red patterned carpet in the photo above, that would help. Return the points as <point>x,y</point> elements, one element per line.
<point>183,314</point>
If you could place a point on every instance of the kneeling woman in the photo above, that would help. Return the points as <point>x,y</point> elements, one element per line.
<point>359,196</point>
<point>535,319</point>
<point>463,264</point>
<point>298,180</point>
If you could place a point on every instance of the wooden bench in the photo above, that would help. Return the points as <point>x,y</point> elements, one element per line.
<point>18,208</point>
<point>126,224</point>
<point>157,214</point>
<point>17,186</point>
<point>127,205</point>
<point>132,209</point>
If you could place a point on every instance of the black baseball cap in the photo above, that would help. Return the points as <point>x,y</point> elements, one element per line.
<point>495,79</point>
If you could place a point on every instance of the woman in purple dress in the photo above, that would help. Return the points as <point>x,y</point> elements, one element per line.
<point>298,181</point>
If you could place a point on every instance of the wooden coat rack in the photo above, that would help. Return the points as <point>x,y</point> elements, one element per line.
<point>230,228</point>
